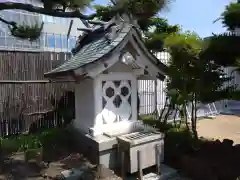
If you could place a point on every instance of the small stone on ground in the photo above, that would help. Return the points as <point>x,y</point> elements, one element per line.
<point>83,169</point>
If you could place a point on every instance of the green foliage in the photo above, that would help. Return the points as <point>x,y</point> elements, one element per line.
<point>158,31</point>
<point>155,41</point>
<point>30,33</point>
<point>104,13</point>
<point>161,25</point>
<point>187,39</point>
<point>222,49</point>
<point>32,153</point>
<point>184,50</point>
<point>234,95</point>
<point>56,137</point>
<point>190,70</point>
<point>193,78</point>
<point>157,124</point>
<point>147,117</point>
<point>155,29</point>
<point>237,66</point>
<point>139,10</point>
<point>64,4</point>
<point>231,16</point>
<point>178,140</point>
<point>48,139</point>
<point>20,143</point>
<point>136,7</point>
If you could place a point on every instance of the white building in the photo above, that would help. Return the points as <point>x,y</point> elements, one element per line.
<point>53,38</point>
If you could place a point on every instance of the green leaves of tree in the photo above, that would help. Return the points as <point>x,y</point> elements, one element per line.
<point>190,74</point>
<point>104,13</point>
<point>144,9</point>
<point>223,49</point>
<point>30,33</point>
<point>231,16</point>
<point>155,29</point>
<point>158,31</point>
<point>63,5</point>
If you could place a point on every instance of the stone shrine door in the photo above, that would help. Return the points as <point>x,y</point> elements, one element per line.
<point>118,98</point>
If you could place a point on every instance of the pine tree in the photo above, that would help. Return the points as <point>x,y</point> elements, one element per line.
<point>74,9</point>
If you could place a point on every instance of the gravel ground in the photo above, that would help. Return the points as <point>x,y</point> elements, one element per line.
<point>221,127</point>
<point>16,168</point>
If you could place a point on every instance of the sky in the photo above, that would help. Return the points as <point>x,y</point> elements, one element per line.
<point>193,15</point>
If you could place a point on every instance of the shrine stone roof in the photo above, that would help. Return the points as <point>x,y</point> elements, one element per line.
<point>97,44</point>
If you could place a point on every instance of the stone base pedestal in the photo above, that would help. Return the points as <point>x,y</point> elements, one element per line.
<point>98,150</point>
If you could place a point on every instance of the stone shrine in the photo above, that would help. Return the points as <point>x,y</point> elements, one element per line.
<point>108,60</point>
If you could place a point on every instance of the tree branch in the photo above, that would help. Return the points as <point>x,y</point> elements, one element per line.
<point>11,23</point>
<point>41,10</point>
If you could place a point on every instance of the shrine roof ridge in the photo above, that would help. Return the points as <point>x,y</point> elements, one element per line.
<point>98,42</point>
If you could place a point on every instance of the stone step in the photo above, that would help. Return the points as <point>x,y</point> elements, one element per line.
<point>167,173</point>
<point>153,176</point>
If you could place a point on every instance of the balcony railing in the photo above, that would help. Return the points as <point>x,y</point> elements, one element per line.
<point>47,42</point>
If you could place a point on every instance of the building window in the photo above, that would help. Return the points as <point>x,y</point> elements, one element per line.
<point>58,20</point>
<point>58,41</point>
<point>16,17</point>
<point>48,19</point>
<point>71,42</point>
<point>64,42</point>
<point>50,41</point>
<point>2,39</point>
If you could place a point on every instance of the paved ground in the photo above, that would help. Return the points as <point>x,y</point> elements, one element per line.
<point>221,127</point>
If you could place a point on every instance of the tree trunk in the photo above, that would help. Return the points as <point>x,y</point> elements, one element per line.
<point>194,119</point>
<point>167,115</point>
<point>174,117</point>
<point>185,115</point>
<point>164,107</point>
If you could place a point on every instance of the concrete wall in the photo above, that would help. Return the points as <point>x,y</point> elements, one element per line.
<point>84,105</point>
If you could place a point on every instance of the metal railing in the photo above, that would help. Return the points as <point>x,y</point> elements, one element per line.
<point>46,42</point>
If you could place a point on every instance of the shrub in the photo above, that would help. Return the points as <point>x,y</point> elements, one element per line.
<point>157,124</point>
<point>33,154</point>
<point>48,139</point>
<point>146,117</point>
<point>20,143</point>
<point>231,18</point>
<point>56,137</point>
<point>178,140</point>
